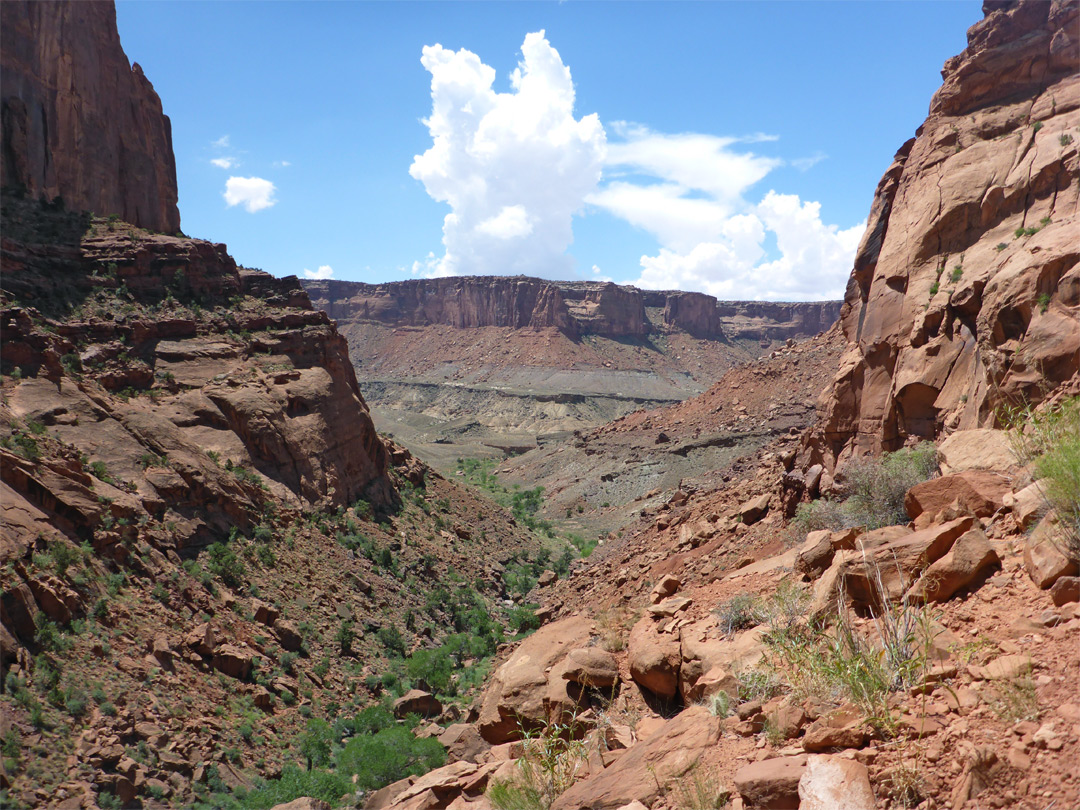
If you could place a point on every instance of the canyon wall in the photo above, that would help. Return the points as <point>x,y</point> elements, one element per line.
<point>79,121</point>
<point>575,308</point>
<point>965,293</point>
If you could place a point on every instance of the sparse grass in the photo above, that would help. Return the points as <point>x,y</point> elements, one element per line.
<point>1049,440</point>
<point>699,789</point>
<point>740,612</point>
<point>844,664</point>
<point>550,761</point>
<point>1015,700</point>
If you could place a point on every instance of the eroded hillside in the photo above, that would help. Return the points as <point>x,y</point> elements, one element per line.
<point>478,366</point>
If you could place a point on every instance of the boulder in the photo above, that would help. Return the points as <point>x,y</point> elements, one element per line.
<point>835,783</point>
<point>416,701</point>
<point>518,693</point>
<point>591,666</point>
<point>234,661</point>
<point>288,635</point>
<point>1044,558</point>
<point>1065,590</point>
<point>980,449</point>
<point>754,510</point>
<point>887,570</point>
<point>264,613</point>
<point>662,759</point>
<point>666,587</point>
<point>654,658</point>
<point>816,554</point>
<point>201,639</point>
<point>772,784</point>
<point>976,492</point>
<point>303,803</point>
<point>547,578</point>
<point>463,741</point>
<point>969,561</point>
<point>1028,505</point>
<point>786,719</point>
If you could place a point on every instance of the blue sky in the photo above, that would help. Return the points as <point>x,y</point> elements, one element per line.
<point>730,147</point>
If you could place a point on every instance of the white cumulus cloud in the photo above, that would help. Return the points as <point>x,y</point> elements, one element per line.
<point>324,271</point>
<point>514,167</point>
<point>254,193</point>
<point>224,162</point>
<point>692,192</point>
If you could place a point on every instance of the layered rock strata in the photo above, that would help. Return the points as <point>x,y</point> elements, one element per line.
<point>574,308</point>
<point>79,122</point>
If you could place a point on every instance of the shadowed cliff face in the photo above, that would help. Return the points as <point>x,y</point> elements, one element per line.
<point>965,293</point>
<point>80,122</point>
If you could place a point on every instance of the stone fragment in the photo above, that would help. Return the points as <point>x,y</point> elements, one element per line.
<point>654,658</point>
<point>772,784</point>
<point>976,492</point>
<point>754,510</point>
<point>1065,590</point>
<point>666,587</point>
<point>835,783</point>
<point>1044,559</point>
<point>234,661</point>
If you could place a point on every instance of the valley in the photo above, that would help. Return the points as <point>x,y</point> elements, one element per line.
<point>502,543</point>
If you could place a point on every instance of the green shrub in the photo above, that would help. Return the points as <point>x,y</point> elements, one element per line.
<point>1050,441</point>
<point>223,562</point>
<point>523,618</point>
<point>741,612</point>
<point>387,756</point>
<point>877,485</point>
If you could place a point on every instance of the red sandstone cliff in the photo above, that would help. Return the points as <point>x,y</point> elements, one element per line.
<point>965,293</point>
<point>79,121</point>
<point>575,308</point>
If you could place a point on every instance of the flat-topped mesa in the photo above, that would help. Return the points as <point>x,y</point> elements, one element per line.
<point>79,121</point>
<point>965,292</point>
<point>574,307</point>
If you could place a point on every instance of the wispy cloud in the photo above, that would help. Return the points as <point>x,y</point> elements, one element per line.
<point>254,193</point>
<point>224,162</point>
<point>221,143</point>
<point>282,164</point>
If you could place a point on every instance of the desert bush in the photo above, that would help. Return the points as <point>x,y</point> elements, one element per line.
<point>816,516</point>
<point>877,485</point>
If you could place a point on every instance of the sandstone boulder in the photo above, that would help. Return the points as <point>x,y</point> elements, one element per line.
<point>772,784</point>
<point>815,555</point>
<point>518,693</point>
<point>416,701</point>
<point>667,586</point>
<point>463,741</point>
<point>662,759</point>
<point>201,639</point>
<point>1028,505</point>
<point>981,449</point>
<point>233,660</point>
<point>654,658</point>
<point>591,666</point>
<point>887,570</point>
<point>976,492</point>
<point>1065,590</point>
<point>970,559</point>
<point>1044,557</point>
<point>835,783</point>
<point>303,803</point>
<point>288,635</point>
<point>754,510</point>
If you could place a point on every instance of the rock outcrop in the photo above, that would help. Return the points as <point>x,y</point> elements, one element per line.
<point>79,122</point>
<point>576,308</point>
<point>965,293</point>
